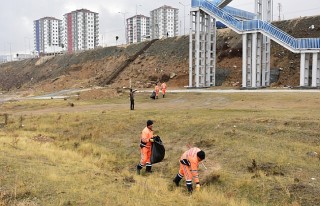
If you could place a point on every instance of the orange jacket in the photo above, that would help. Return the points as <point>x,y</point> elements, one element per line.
<point>191,157</point>
<point>146,135</point>
<point>156,88</point>
<point>163,86</point>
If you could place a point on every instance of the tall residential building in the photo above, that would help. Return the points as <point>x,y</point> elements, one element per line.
<point>138,28</point>
<point>164,22</point>
<point>80,30</point>
<point>47,35</point>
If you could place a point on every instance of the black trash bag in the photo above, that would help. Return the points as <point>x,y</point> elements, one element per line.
<point>153,95</point>
<point>158,150</point>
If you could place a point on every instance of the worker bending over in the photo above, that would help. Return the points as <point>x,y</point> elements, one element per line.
<point>189,163</point>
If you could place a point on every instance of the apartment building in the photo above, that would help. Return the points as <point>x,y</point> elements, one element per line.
<point>47,35</point>
<point>80,30</point>
<point>164,22</point>
<point>138,28</point>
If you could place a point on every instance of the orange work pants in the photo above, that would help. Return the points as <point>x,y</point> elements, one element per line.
<point>185,171</point>
<point>145,155</point>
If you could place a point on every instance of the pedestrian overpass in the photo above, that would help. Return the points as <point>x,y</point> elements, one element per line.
<point>257,32</point>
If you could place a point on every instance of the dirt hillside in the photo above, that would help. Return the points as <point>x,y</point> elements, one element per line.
<point>166,59</point>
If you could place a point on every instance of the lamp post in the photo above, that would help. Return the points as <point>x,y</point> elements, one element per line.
<point>184,17</point>
<point>124,23</point>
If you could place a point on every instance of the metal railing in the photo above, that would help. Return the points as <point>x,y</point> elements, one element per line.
<point>259,25</point>
<point>239,13</point>
<point>236,12</point>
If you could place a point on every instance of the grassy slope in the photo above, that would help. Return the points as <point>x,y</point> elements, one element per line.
<point>86,154</point>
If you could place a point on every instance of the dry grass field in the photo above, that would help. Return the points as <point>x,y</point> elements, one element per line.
<point>261,149</point>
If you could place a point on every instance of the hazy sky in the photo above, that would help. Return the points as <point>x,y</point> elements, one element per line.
<point>17,16</point>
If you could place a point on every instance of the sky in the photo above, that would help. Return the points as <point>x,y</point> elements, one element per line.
<point>17,16</point>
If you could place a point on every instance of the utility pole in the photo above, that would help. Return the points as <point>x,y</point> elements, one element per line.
<point>279,7</point>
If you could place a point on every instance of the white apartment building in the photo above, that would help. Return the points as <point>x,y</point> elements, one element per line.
<point>138,28</point>
<point>80,30</point>
<point>164,22</point>
<point>47,35</point>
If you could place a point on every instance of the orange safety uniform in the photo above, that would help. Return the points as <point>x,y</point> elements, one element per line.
<point>157,89</point>
<point>189,166</point>
<point>145,146</point>
<point>163,88</point>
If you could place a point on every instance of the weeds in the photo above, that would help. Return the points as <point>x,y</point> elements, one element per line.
<point>86,155</point>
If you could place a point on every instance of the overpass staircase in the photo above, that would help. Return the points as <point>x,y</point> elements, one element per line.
<point>256,35</point>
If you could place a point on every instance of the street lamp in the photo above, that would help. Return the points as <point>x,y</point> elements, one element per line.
<point>184,16</point>
<point>124,23</point>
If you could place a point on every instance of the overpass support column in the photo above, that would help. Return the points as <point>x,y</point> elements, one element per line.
<point>315,70</point>
<point>265,61</point>
<point>318,70</point>
<point>197,48</point>
<point>202,49</point>
<point>304,69</point>
<point>256,50</point>
<point>252,45</point>
<point>247,64</point>
<point>254,60</point>
<point>244,60</point>
<point>191,50</point>
<point>266,6</point>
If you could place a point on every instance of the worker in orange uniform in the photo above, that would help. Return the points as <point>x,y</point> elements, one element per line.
<point>189,162</point>
<point>147,139</point>
<point>157,89</point>
<point>163,89</point>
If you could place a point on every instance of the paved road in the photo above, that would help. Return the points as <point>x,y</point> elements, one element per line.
<point>239,91</point>
<point>71,92</point>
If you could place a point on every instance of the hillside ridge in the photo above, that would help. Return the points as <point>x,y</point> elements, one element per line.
<point>165,60</point>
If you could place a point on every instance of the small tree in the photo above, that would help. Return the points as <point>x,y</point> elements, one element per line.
<point>117,40</point>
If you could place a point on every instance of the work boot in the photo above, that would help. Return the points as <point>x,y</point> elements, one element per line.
<point>139,167</point>
<point>189,186</point>
<point>177,179</point>
<point>148,169</point>
<point>162,96</point>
